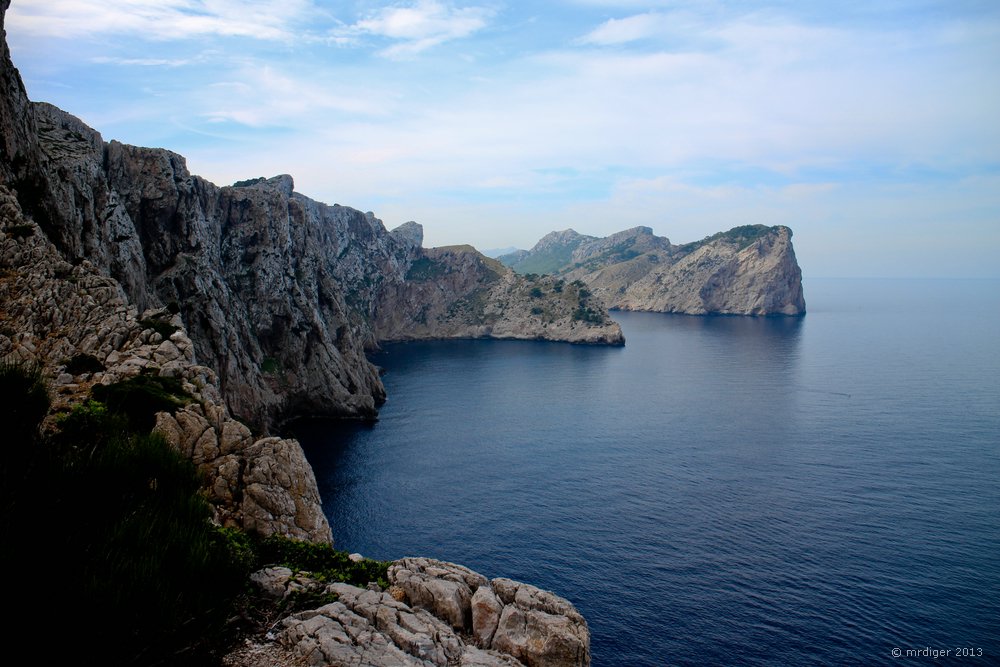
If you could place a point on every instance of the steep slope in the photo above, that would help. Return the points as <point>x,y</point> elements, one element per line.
<point>273,297</point>
<point>456,292</point>
<point>281,294</point>
<point>748,270</point>
<point>116,257</point>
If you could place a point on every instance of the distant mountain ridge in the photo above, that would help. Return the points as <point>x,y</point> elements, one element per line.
<point>748,270</point>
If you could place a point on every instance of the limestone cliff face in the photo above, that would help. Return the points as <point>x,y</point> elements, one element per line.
<point>276,297</point>
<point>281,294</point>
<point>748,270</point>
<point>456,292</point>
<point>248,267</point>
<point>53,310</point>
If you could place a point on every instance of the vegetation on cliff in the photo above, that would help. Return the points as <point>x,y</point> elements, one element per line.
<point>141,570</point>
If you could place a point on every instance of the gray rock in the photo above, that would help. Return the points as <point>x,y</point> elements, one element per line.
<point>486,612</point>
<point>445,589</point>
<point>748,270</point>
<point>273,581</point>
<point>371,628</point>
<point>539,628</point>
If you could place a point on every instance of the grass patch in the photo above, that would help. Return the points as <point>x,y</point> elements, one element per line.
<point>321,561</point>
<point>139,398</point>
<point>164,328</point>
<point>270,366</point>
<point>425,268</point>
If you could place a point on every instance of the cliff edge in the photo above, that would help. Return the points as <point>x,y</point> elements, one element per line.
<point>117,264</point>
<point>748,270</point>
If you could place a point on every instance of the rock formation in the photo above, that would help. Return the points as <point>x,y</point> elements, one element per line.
<point>456,292</point>
<point>262,303</point>
<point>53,311</point>
<point>749,270</point>
<point>434,614</point>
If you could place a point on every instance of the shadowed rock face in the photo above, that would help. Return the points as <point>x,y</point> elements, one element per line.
<point>282,295</point>
<point>748,270</point>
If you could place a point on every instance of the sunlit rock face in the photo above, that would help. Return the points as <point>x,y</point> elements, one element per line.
<point>749,270</point>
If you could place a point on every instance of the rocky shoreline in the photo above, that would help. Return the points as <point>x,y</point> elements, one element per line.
<point>433,613</point>
<point>117,264</point>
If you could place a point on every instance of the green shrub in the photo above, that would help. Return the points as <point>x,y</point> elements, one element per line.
<point>270,366</point>
<point>139,398</point>
<point>322,560</point>
<point>162,327</point>
<point>84,363</point>
<point>535,293</point>
<point>24,400</point>
<point>22,231</point>
<point>585,314</point>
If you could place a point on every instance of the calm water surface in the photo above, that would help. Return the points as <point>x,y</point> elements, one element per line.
<point>721,490</point>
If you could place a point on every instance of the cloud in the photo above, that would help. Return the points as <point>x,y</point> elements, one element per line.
<point>622,31</point>
<point>141,62</point>
<point>422,25</point>
<point>159,19</point>
<point>261,96</point>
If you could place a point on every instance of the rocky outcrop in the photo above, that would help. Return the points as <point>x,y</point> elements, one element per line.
<point>262,303</point>
<point>431,615</point>
<point>54,312</point>
<point>456,292</point>
<point>282,295</point>
<point>748,270</point>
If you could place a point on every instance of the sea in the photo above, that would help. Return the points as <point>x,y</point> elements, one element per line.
<point>822,490</point>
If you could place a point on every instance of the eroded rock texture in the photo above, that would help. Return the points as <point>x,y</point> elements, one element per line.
<point>432,620</point>
<point>749,270</point>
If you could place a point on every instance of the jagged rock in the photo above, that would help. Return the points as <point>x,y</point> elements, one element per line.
<point>278,293</point>
<point>749,270</point>
<point>371,628</point>
<point>59,310</point>
<point>539,628</point>
<point>280,493</point>
<point>486,612</point>
<point>535,626</point>
<point>443,588</point>
<point>272,581</point>
<point>457,292</point>
<point>410,232</point>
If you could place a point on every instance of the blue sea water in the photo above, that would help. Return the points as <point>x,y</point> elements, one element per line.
<point>722,490</point>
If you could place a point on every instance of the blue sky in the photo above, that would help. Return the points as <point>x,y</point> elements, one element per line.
<point>870,128</point>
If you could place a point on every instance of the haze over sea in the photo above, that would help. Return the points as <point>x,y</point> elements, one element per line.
<point>721,490</point>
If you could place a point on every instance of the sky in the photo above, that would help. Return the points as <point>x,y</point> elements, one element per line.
<point>872,129</point>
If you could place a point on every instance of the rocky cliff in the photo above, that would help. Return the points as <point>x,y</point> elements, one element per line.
<point>261,303</point>
<point>281,294</point>
<point>456,292</point>
<point>749,270</point>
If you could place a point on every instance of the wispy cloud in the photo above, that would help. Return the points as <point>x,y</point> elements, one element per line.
<point>141,62</point>
<point>420,26</point>
<point>628,29</point>
<point>159,19</point>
